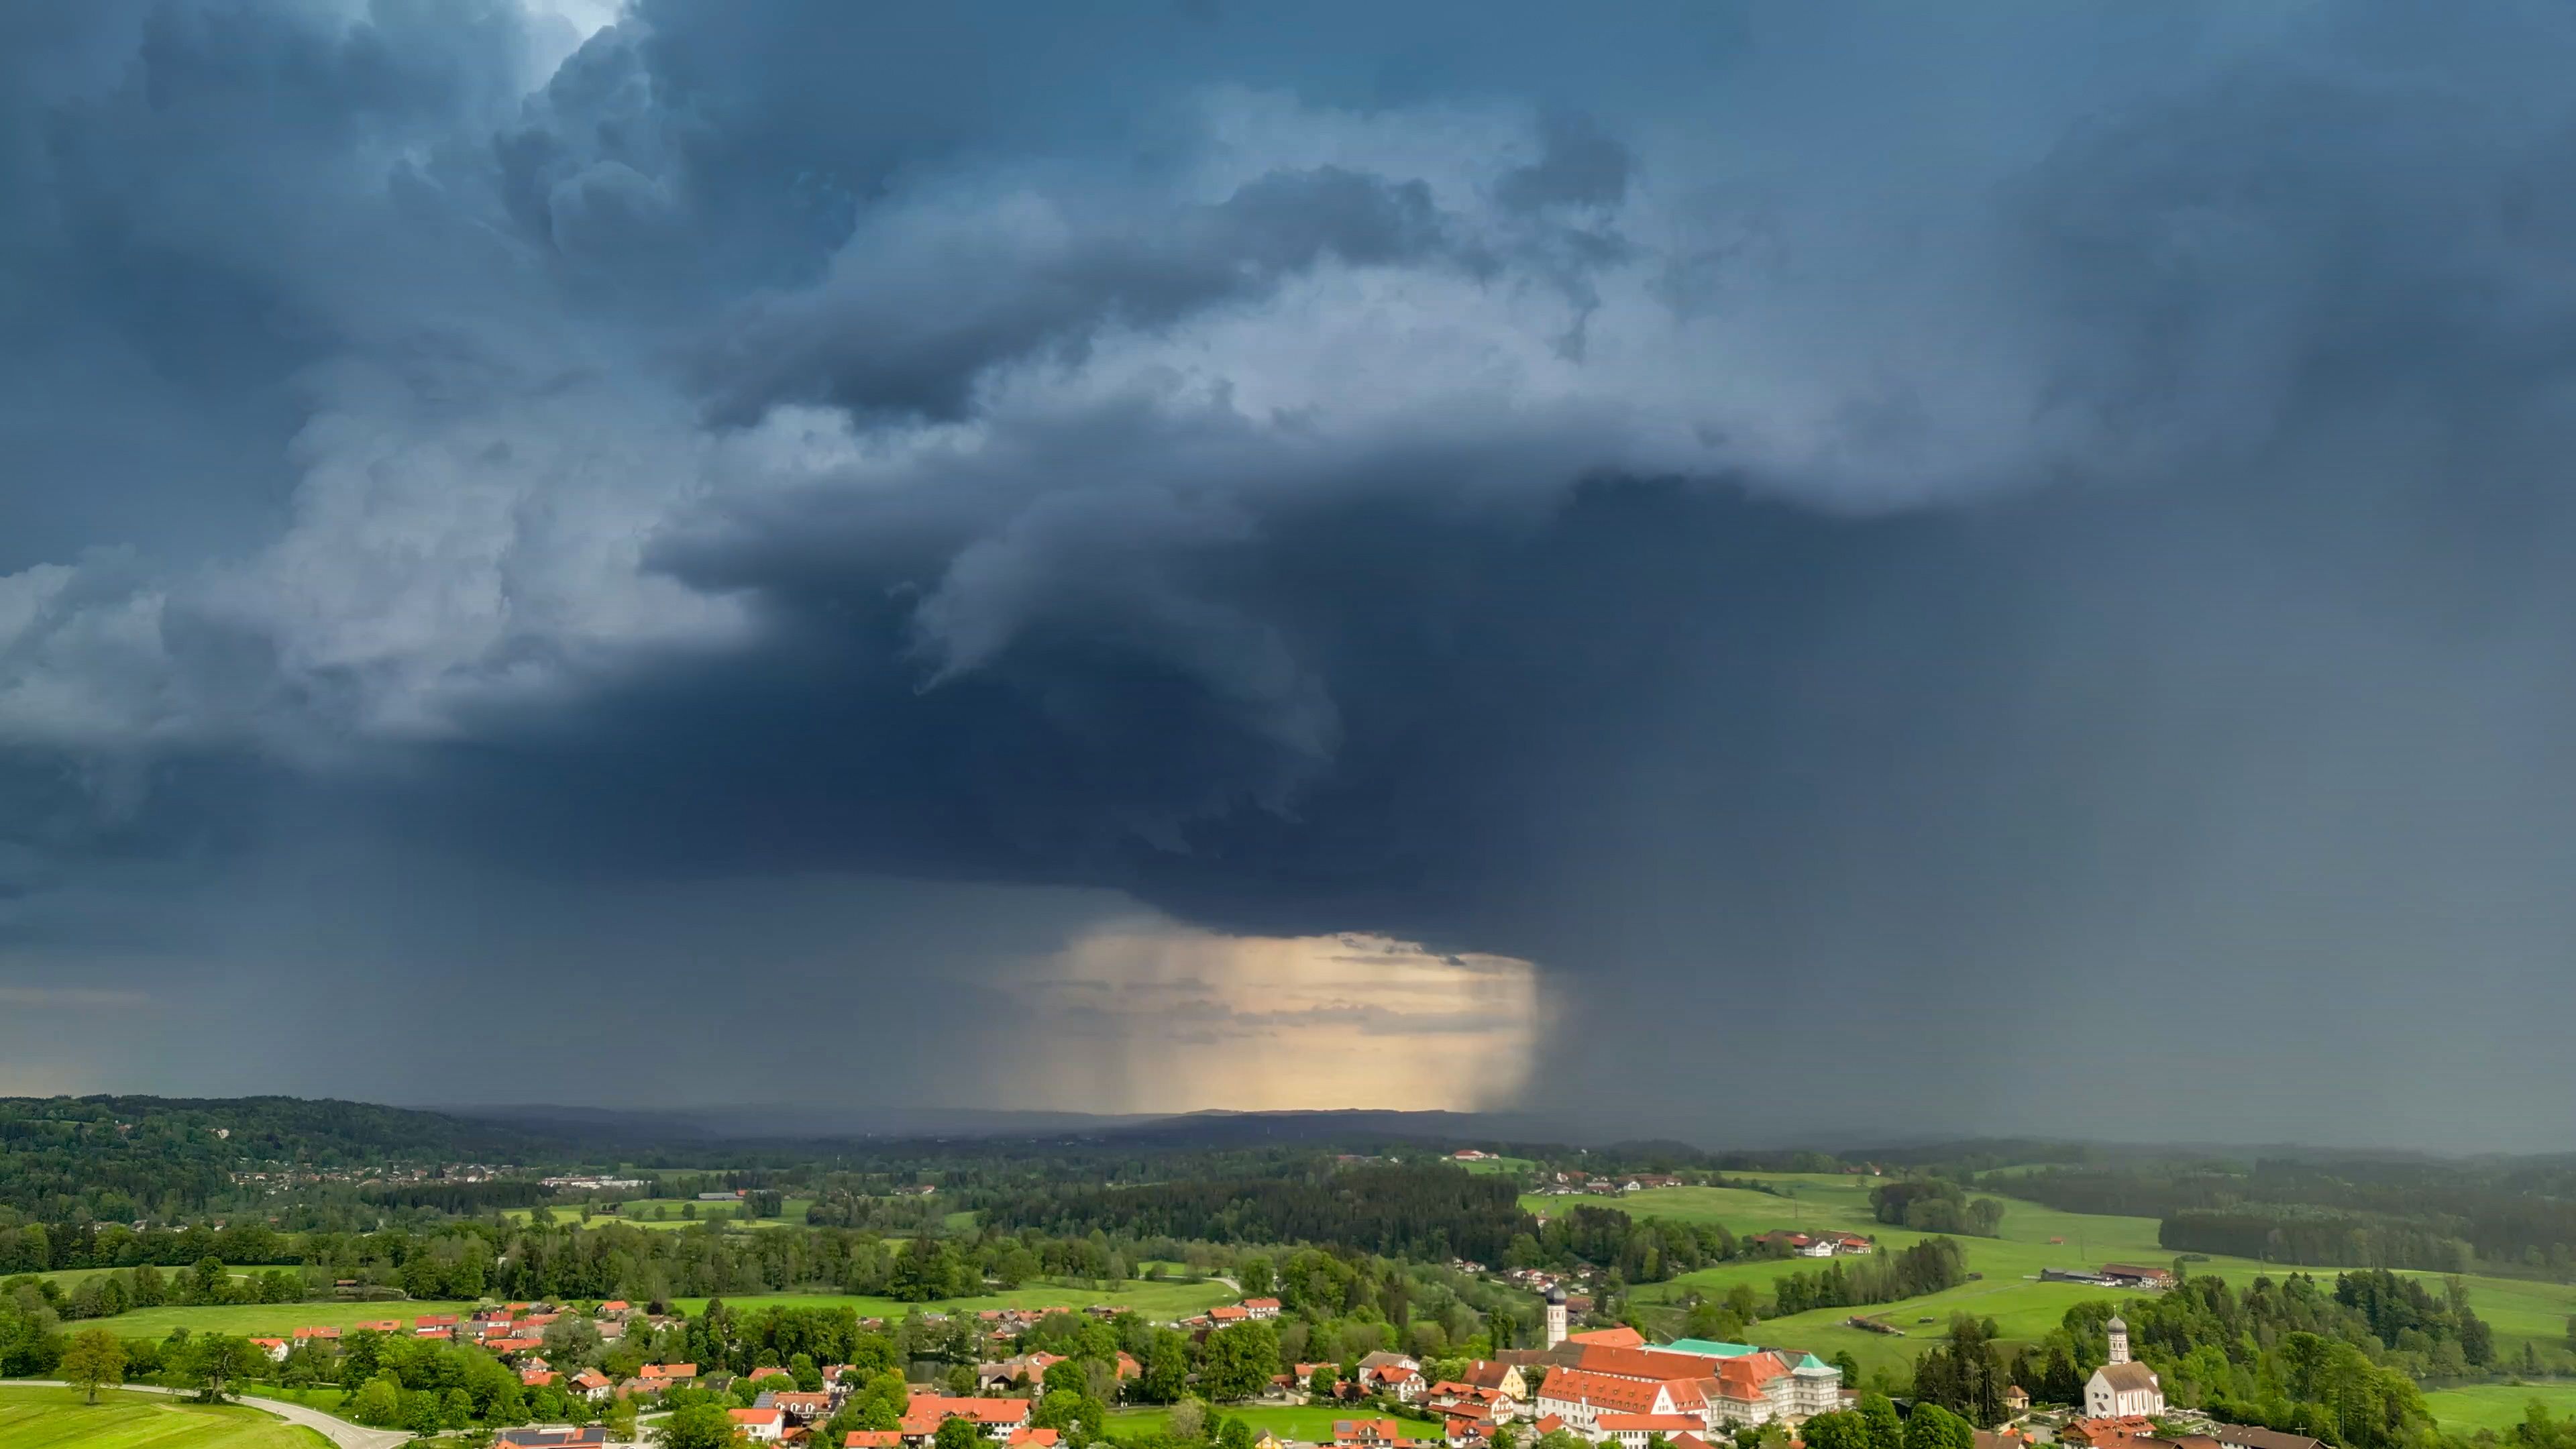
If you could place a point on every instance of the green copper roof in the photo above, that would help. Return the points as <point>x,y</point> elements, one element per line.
<point>1809,1360</point>
<point>1710,1348</point>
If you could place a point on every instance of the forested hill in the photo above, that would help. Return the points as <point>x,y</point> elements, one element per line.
<point>112,1159</point>
<point>1419,1212</point>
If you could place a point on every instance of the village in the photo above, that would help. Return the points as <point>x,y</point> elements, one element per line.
<point>1599,1385</point>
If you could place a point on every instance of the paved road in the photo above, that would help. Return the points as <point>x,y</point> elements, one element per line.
<point>338,1431</point>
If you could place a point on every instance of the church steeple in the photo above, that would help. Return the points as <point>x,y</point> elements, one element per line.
<point>2119,1331</point>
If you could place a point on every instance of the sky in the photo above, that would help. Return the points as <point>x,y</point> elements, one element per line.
<point>1741,571</point>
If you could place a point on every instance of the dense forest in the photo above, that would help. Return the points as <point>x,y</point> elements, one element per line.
<point>1416,1212</point>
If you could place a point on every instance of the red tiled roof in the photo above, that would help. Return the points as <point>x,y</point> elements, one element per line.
<point>1630,1362</point>
<point>1620,1337</point>
<point>926,1412</point>
<point>1025,1438</point>
<point>771,1417</point>
<point>1603,1391</point>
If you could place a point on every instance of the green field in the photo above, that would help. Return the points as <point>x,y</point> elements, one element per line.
<point>1313,1425</point>
<point>325,1397</point>
<point>2022,1307</point>
<point>265,1320</point>
<point>68,1279</point>
<point>1498,1164</point>
<point>57,1419</point>
<point>636,1214</point>
<point>1152,1300</point>
<point>2497,1406</point>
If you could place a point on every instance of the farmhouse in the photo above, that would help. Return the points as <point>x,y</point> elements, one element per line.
<point>760,1426</point>
<point>995,1417</point>
<point>2132,1275</point>
<point>2121,1388</point>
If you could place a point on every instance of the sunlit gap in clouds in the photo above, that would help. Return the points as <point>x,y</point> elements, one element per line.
<point>1152,1016</point>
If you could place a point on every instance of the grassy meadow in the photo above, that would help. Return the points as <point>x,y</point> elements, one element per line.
<point>326,1397</point>
<point>32,1418</point>
<point>265,1320</point>
<point>2497,1406</point>
<point>2033,1237</point>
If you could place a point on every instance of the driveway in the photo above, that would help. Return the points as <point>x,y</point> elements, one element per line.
<point>338,1431</point>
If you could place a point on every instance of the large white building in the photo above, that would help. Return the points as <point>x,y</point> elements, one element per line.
<point>1722,1385</point>
<point>2121,1388</point>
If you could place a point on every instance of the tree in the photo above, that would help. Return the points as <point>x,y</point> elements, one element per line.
<point>378,1402</point>
<point>1934,1427</point>
<point>1841,1429</point>
<point>1256,1276</point>
<point>957,1434</point>
<point>208,1363</point>
<point>456,1409</point>
<point>620,1420</point>
<point>1325,1382</point>
<point>94,1358</point>
<point>1240,1361</point>
<point>1878,1416</point>
<point>1165,1366</point>
<point>1071,1412</point>
<point>696,1426</point>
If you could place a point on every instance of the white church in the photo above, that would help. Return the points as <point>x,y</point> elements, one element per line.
<point>2121,1388</point>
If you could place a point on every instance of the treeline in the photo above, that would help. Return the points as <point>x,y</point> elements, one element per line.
<point>2371,1211</point>
<point>1647,1250</point>
<point>2319,1237</point>
<point>104,1295</point>
<point>1927,1267</point>
<point>1429,1212</point>
<point>1935,1205</point>
<point>464,1199</point>
<point>37,1248</point>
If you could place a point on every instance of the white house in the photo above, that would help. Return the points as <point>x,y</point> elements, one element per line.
<point>2121,1388</point>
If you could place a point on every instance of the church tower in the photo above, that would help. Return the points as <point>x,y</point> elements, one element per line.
<point>2119,1332</point>
<point>1556,1317</point>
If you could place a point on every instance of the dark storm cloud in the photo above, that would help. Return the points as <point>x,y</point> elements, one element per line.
<point>1693,502</point>
<point>910,331</point>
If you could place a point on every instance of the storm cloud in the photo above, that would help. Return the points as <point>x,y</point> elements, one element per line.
<point>1945,539</point>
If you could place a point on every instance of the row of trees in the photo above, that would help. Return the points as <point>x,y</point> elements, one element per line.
<point>2326,1237</point>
